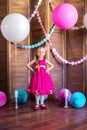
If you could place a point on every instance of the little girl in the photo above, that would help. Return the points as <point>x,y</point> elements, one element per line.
<point>41,83</point>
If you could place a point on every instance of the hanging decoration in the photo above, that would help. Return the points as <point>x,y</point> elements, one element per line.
<point>54,51</point>
<point>77,28</point>
<point>41,24</point>
<point>34,12</point>
<point>56,54</point>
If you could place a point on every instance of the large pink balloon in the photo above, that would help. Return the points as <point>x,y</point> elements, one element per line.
<point>65,16</point>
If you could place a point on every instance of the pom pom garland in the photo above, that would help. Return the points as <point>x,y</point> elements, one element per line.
<point>55,53</point>
<point>34,12</point>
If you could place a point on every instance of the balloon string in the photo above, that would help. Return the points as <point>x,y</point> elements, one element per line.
<point>15,65</point>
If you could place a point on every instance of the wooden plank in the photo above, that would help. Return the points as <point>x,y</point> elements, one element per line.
<point>17,57</point>
<point>74,51</point>
<point>3,52</point>
<point>56,117</point>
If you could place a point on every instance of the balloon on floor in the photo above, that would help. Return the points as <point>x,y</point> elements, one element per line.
<point>77,100</point>
<point>22,96</point>
<point>3,98</point>
<point>61,95</point>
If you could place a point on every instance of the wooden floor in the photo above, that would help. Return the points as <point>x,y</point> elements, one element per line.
<point>56,117</point>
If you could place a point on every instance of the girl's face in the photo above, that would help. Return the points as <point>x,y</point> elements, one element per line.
<point>41,52</point>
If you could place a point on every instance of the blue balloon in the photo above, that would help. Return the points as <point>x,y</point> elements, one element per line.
<point>22,96</point>
<point>77,100</point>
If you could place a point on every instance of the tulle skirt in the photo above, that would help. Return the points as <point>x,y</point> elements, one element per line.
<point>41,83</point>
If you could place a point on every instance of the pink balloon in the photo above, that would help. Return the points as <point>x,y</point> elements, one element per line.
<point>3,98</point>
<point>61,96</point>
<point>65,16</point>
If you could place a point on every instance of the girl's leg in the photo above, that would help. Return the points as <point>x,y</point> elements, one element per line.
<point>37,97</point>
<point>42,99</point>
<point>42,106</point>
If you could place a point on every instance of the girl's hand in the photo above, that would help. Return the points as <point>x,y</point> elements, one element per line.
<point>34,71</point>
<point>47,71</point>
<point>29,65</point>
<point>50,66</point>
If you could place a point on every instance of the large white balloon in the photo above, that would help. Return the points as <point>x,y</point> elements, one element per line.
<point>15,27</point>
<point>85,20</point>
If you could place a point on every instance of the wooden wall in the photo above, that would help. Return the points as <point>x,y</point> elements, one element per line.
<point>75,50</point>
<point>18,58</point>
<point>3,52</point>
<point>14,69</point>
<point>71,44</point>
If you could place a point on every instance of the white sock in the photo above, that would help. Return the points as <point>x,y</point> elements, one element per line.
<point>42,100</point>
<point>37,97</point>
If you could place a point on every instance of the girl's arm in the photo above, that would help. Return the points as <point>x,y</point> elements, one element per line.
<point>50,66</point>
<point>29,65</point>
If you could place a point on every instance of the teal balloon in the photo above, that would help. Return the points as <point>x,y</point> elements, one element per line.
<point>22,96</point>
<point>77,100</point>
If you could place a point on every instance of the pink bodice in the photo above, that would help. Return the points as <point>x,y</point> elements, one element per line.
<point>41,63</point>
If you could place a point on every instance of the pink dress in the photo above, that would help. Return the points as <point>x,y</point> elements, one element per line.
<point>41,82</point>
